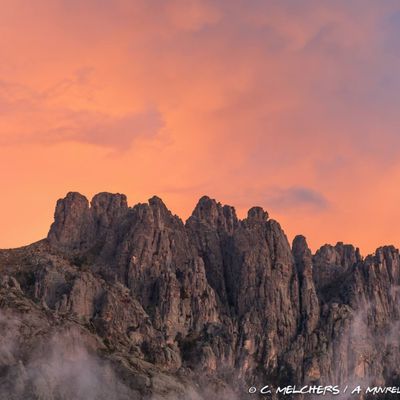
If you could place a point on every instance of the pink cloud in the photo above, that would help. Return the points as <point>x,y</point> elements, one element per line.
<point>216,97</point>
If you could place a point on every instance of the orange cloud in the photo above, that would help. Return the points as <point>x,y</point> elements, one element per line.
<point>287,105</point>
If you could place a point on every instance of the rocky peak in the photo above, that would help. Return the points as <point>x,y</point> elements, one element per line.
<point>388,260</point>
<point>77,226</point>
<point>160,212</point>
<point>309,304</point>
<point>213,214</point>
<point>72,208</point>
<point>327,254</point>
<point>157,203</point>
<point>106,209</point>
<point>70,220</point>
<point>349,255</point>
<point>257,214</point>
<point>332,263</point>
<point>301,250</point>
<point>108,203</point>
<point>207,210</point>
<point>344,255</point>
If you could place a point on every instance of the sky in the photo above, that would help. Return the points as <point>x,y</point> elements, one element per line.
<point>289,105</point>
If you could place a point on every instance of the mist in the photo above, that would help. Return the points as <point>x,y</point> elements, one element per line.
<point>60,366</point>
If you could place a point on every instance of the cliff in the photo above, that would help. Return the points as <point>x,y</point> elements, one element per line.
<point>126,302</point>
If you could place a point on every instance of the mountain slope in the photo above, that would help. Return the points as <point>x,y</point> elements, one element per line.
<point>130,302</point>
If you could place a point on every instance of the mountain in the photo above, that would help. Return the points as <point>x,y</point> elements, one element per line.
<point>124,302</point>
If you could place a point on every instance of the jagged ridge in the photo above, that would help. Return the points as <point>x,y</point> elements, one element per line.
<point>229,299</point>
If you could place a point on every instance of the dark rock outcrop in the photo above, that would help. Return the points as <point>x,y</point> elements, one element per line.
<point>203,309</point>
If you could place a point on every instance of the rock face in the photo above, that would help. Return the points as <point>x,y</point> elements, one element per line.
<point>151,307</point>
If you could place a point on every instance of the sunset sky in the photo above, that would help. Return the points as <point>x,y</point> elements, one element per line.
<point>290,105</point>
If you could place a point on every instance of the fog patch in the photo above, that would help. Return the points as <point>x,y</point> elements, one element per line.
<point>59,367</point>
